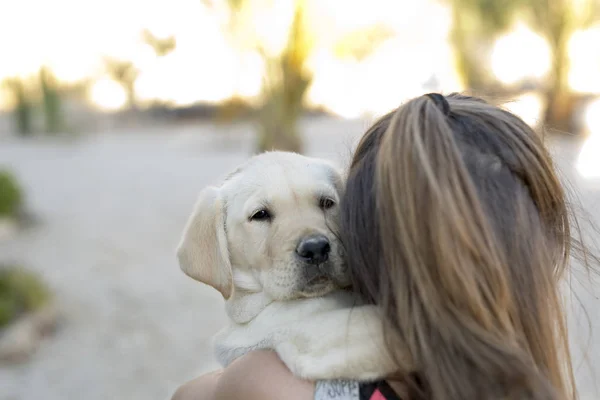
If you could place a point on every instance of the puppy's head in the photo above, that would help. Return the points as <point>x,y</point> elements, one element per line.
<point>271,227</point>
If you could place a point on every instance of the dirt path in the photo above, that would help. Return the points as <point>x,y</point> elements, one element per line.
<point>112,208</point>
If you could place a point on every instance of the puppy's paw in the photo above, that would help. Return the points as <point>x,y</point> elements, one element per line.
<point>354,364</point>
<point>299,365</point>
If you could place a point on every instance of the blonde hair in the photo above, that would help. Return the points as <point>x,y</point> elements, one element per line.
<point>456,225</point>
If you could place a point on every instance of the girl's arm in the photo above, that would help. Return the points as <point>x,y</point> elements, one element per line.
<point>201,388</point>
<point>259,375</point>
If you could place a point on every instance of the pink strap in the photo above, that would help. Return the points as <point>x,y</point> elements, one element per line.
<point>377,395</point>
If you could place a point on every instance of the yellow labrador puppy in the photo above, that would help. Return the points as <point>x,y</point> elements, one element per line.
<point>266,239</point>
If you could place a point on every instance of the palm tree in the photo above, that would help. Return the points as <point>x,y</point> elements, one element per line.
<point>287,77</point>
<point>125,73</point>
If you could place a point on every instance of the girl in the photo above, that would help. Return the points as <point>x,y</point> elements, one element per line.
<point>456,226</point>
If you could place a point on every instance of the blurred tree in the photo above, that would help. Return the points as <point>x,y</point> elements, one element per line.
<point>284,88</point>
<point>475,26</point>
<point>557,20</point>
<point>161,46</point>
<point>51,101</point>
<point>23,112</point>
<point>125,73</point>
<point>287,77</point>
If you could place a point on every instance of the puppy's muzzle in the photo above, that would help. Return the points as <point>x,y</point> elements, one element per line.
<point>314,252</point>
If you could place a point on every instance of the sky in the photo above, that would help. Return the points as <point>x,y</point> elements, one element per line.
<point>73,36</point>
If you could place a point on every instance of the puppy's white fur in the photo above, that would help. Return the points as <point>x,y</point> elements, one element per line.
<point>318,330</point>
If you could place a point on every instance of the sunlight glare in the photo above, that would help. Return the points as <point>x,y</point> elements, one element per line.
<point>331,88</point>
<point>108,95</point>
<point>7,100</point>
<point>584,76</point>
<point>592,116</point>
<point>588,162</point>
<point>140,54</point>
<point>397,69</point>
<point>272,24</point>
<point>519,55</point>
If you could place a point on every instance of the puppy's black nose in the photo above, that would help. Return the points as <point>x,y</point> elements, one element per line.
<point>314,249</point>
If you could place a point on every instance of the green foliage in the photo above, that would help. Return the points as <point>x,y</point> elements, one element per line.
<point>11,196</point>
<point>20,292</point>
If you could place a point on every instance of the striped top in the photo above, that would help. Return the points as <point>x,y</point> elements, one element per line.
<point>353,390</point>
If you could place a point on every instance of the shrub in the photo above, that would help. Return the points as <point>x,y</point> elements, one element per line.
<point>11,196</point>
<point>20,292</point>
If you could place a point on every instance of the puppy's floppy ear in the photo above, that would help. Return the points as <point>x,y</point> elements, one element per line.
<point>202,252</point>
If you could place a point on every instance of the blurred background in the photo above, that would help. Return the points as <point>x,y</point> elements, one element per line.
<point>114,114</point>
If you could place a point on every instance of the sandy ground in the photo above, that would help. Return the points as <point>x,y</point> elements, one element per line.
<point>111,209</point>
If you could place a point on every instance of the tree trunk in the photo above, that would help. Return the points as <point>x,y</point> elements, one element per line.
<point>284,104</point>
<point>23,119</point>
<point>471,70</point>
<point>278,131</point>
<point>52,102</point>
<point>279,140</point>
<point>23,113</point>
<point>466,43</point>
<point>131,96</point>
<point>560,101</point>
<point>560,111</point>
<point>285,87</point>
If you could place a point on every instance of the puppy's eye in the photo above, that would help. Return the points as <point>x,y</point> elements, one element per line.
<point>326,203</point>
<point>260,215</point>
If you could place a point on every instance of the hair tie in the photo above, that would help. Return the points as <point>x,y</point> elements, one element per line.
<point>440,101</point>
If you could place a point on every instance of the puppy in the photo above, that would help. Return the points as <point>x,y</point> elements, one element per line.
<point>266,239</point>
